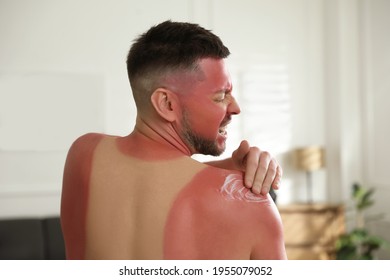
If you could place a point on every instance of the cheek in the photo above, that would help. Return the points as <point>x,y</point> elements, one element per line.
<point>206,120</point>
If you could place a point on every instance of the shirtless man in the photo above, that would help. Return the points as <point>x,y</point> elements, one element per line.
<point>142,196</point>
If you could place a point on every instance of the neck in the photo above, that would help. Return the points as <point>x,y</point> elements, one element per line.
<point>154,140</point>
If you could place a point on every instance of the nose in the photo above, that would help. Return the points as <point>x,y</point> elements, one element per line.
<point>234,108</point>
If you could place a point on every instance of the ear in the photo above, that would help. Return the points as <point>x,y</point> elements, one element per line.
<point>165,103</point>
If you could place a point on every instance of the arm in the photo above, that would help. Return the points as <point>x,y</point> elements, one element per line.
<point>261,170</point>
<point>75,190</point>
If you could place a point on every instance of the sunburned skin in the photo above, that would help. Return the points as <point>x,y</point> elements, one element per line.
<point>214,217</point>
<point>210,113</point>
<point>75,194</point>
<point>232,189</point>
<point>131,144</point>
<point>199,212</point>
<point>143,197</point>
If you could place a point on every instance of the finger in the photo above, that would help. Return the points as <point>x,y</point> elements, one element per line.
<point>244,147</point>
<point>269,177</point>
<point>278,178</point>
<point>239,154</point>
<point>252,162</point>
<point>261,172</point>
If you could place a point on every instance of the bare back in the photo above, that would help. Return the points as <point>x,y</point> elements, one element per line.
<point>173,209</point>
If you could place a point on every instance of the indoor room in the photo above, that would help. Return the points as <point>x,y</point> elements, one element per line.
<point>311,78</point>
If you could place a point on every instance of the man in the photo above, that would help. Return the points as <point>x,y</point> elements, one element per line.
<point>142,196</point>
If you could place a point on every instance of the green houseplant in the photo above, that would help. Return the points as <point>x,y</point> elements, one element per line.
<point>359,244</point>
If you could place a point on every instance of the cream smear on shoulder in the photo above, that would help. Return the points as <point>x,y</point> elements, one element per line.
<point>233,189</point>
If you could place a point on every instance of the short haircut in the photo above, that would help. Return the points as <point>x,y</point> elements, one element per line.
<point>165,48</point>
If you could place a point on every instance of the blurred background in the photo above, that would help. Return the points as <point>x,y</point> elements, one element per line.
<point>311,76</point>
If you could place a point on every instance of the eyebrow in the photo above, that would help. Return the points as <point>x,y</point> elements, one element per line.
<point>228,88</point>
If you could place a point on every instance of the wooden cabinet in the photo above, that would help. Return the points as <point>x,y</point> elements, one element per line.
<point>310,230</point>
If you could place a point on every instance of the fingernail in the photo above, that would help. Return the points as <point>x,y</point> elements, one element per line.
<point>249,184</point>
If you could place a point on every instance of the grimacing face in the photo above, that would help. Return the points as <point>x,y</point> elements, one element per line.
<point>208,108</point>
<point>200,144</point>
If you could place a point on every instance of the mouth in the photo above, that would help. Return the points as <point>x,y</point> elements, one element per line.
<point>222,131</point>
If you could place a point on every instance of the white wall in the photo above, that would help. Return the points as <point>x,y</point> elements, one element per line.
<point>62,74</point>
<point>277,59</point>
<point>313,67</point>
<point>375,95</point>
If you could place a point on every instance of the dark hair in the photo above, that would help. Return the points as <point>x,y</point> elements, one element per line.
<point>168,46</point>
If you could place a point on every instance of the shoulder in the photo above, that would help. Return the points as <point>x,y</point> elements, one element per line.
<point>225,186</point>
<point>86,142</point>
<point>75,189</point>
<point>254,219</point>
<point>80,155</point>
<point>224,217</point>
<point>84,145</point>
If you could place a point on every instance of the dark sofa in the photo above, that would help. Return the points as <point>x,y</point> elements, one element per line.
<point>31,239</point>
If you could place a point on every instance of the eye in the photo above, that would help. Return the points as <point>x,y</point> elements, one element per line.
<point>220,97</point>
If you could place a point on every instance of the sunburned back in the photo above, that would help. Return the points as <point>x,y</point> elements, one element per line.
<point>115,206</point>
<point>175,209</point>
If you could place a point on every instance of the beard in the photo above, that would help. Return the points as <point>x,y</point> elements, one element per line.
<point>200,144</point>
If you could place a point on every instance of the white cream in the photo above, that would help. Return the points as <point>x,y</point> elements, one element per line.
<point>233,189</point>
